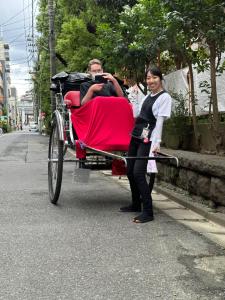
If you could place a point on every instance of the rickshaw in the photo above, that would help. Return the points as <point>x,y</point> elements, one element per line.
<point>98,132</point>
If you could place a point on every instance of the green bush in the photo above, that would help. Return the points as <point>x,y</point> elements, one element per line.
<point>179,124</point>
<point>6,127</point>
<point>47,123</point>
<point>180,101</point>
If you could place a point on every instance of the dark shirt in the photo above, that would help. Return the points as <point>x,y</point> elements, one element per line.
<point>107,90</point>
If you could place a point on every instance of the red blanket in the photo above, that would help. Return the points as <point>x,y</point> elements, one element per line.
<point>104,123</point>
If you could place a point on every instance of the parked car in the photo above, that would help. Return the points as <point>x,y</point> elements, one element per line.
<point>33,126</point>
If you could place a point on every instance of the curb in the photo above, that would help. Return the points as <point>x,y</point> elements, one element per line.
<point>206,212</point>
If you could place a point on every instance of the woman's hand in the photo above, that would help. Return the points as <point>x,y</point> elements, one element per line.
<point>156,148</point>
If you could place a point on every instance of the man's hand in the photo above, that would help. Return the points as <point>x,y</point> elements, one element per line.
<point>96,87</point>
<point>109,76</point>
<point>117,87</point>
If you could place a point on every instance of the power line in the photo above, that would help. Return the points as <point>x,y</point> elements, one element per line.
<point>20,79</point>
<point>28,57</point>
<point>13,17</point>
<point>25,32</point>
<point>17,43</point>
<point>22,34</point>
<point>17,36</point>
<point>11,29</point>
<point>14,22</point>
<point>21,63</point>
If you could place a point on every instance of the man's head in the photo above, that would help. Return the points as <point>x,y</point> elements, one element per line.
<point>95,67</point>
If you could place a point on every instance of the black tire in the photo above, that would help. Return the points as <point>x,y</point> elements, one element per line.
<point>55,168</point>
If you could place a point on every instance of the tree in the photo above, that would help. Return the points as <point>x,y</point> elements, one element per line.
<point>136,39</point>
<point>205,22</point>
<point>179,38</point>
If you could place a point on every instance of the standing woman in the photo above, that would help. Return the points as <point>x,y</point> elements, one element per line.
<point>146,134</point>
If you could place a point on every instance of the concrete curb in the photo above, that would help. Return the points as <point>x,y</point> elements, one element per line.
<point>206,212</point>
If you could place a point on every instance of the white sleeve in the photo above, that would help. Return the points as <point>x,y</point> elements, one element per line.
<point>164,106</point>
<point>133,98</point>
<point>156,136</point>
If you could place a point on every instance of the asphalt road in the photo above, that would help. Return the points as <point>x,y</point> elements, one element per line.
<point>84,248</point>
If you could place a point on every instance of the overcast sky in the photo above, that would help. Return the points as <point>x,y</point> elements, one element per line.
<point>15,29</point>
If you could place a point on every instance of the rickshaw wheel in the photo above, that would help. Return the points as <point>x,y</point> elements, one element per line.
<point>55,163</point>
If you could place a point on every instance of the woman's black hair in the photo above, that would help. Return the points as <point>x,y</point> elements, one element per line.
<point>154,71</point>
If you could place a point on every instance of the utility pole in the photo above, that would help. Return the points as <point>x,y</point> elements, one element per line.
<point>51,14</point>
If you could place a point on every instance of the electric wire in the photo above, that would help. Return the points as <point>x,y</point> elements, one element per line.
<point>13,23</point>
<point>13,29</point>
<point>13,17</point>
<point>29,9</point>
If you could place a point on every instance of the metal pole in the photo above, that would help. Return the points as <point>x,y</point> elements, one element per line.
<point>52,47</point>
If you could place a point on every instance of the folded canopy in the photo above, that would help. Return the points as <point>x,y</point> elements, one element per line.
<point>104,123</point>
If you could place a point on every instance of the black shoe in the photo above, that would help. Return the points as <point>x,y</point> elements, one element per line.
<point>130,208</point>
<point>143,218</point>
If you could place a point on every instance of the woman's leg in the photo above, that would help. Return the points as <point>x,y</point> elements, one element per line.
<point>136,203</point>
<point>151,182</point>
<point>139,172</point>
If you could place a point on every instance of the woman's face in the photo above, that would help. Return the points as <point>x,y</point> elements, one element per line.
<point>154,83</point>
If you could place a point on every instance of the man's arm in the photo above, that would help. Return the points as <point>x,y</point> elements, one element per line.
<point>115,83</point>
<point>92,89</point>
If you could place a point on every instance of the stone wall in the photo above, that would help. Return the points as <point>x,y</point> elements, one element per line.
<point>183,137</point>
<point>199,174</point>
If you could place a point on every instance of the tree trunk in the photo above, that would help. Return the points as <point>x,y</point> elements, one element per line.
<point>215,123</point>
<point>178,59</point>
<point>194,117</point>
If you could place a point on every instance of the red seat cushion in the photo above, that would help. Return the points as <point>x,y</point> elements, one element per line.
<point>72,98</point>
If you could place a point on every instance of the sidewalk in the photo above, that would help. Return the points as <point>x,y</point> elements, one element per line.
<point>182,209</point>
<point>208,213</point>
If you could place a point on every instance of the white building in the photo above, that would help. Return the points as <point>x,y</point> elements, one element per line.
<point>25,109</point>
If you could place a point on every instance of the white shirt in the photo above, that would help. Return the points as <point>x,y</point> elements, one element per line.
<point>162,105</point>
<point>161,110</point>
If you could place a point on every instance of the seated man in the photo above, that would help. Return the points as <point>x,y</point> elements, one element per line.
<point>91,89</point>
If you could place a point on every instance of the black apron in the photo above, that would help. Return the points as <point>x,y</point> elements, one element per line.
<point>146,117</point>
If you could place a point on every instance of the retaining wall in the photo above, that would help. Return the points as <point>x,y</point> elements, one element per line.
<point>199,174</point>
